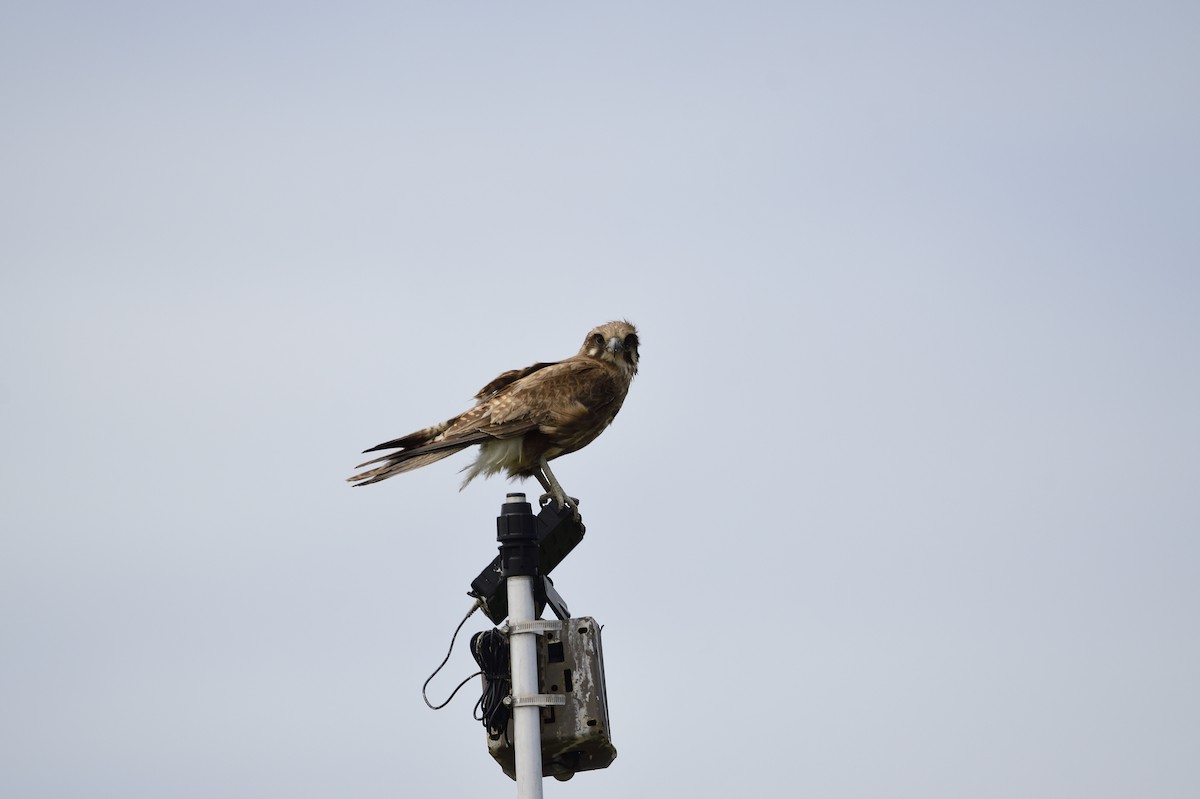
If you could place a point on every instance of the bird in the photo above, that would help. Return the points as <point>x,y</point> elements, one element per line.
<point>525,418</point>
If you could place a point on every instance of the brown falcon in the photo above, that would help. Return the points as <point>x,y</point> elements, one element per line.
<point>527,417</point>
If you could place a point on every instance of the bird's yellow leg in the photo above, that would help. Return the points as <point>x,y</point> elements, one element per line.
<point>554,491</point>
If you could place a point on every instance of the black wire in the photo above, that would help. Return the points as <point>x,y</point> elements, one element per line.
<point>446,659</point>
<point>490,648</point>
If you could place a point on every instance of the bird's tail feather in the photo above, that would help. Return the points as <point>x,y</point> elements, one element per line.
<point>414,440</point>
<point>399,463</point>
<point>413,458</point>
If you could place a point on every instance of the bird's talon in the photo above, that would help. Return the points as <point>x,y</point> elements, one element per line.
<point>563,501</point>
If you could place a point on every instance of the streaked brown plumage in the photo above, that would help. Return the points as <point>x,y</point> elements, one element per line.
<point>527,417</point>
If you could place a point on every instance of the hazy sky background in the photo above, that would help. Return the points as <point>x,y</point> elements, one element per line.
<point>904,502</point>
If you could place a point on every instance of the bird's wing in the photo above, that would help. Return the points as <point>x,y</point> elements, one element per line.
<point>558,399</point>
<point>549,396</point>
<point>510,377</point>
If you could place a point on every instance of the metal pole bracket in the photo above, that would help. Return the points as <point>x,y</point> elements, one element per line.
<point>536,700</point>
<point>538,626</point>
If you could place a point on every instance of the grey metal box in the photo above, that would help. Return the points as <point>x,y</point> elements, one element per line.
<point>575,736</point>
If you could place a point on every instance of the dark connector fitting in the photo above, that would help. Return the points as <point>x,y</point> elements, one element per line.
<point>556,530</point>
<point>516,530</point>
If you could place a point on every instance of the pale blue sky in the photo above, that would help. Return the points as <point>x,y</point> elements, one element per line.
<point>902,504</point>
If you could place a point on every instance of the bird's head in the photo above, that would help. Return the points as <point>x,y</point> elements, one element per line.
<point>615,343</point>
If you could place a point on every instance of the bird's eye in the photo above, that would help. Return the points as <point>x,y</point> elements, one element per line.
<point>598,340</point>
<point>631,341</point>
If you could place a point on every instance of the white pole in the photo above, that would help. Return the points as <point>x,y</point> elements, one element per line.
<point>516,530</point>
<point>527,720</point>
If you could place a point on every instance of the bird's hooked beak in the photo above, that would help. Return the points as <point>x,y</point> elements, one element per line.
<point>615,345</point>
